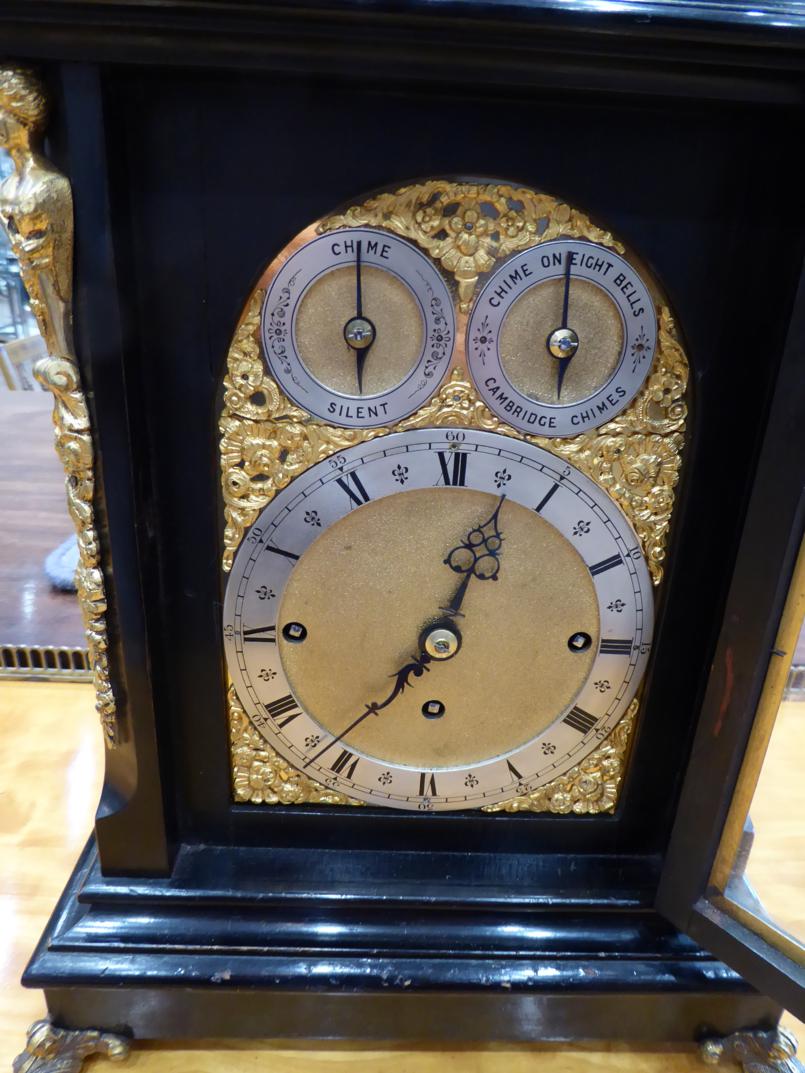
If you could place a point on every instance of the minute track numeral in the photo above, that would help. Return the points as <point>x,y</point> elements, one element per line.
<point>580,720</point>
<point>353,486</point>
<point>454,474</point>
<point>605,564</point>
<point>284,706</point>
<point>269,633</point>
<point>427,784</point>
<point>345,764</point>
<point>616,646</point>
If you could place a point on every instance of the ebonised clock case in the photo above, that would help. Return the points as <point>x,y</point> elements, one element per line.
<point>170,234</point>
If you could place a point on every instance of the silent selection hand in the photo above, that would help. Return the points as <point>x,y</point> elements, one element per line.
<point>359,332</point>
<point>476,556</point>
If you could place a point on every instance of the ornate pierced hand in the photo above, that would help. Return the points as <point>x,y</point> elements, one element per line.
<point>476,556</point>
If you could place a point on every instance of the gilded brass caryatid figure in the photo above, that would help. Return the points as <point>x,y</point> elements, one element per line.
<point>36,209</point>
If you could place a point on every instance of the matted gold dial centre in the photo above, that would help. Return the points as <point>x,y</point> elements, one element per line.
<point>531,341</point>
<point>396,334</point>
<point>372,591</point>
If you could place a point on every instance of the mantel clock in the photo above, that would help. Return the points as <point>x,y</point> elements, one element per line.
<point>439,504</point>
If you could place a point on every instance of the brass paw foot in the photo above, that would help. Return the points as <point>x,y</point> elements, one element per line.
<point>755,1052</point>
<point>62,1050</point>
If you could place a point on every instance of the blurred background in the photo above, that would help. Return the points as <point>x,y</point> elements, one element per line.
<point>40,622</point>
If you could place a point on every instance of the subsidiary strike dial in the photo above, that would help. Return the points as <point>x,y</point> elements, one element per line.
<point>561,338</point>
<point>358,327</point>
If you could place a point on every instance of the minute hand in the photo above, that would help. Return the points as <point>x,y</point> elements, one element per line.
<point>416,666</point>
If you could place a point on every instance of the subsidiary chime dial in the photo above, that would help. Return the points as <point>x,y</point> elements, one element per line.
<point>438,619</point>
<point>561,338</point>
<point>358,327</point>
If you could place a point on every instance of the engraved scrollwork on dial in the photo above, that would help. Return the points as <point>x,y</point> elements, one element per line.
<point>561,337</point>
<point>266,440</point>
<point>358,326</point>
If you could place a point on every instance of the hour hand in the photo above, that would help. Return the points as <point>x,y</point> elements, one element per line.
<point>476,556</point>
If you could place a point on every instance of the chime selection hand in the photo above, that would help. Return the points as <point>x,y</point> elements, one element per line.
<point>359,332</point>
<point>476,556</point>
<point>563,342</point>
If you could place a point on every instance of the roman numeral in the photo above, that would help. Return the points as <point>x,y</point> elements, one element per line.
<point>580,720</point>
<point>427,784</point>
<point>616,647</point>
<point>269,631</point>
<point>281,551</point>
<point>282,707</point>
<point>515,774</point>
<point>342,762</point>
<point>456,473</point>
<point>546,498</point>
<point>352,485</point>
<point>605,564</point>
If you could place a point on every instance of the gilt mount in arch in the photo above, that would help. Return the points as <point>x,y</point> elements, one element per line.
<point>468,227</point>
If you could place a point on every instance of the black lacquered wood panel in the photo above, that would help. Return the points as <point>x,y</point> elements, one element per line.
<point>192,251</point>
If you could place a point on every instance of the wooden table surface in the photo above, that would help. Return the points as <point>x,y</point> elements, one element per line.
<point>50,773</point>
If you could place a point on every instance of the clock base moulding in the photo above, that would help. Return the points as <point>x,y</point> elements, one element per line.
<point>206,955</point>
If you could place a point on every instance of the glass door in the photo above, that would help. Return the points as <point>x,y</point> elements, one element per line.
<point>734,872</point>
